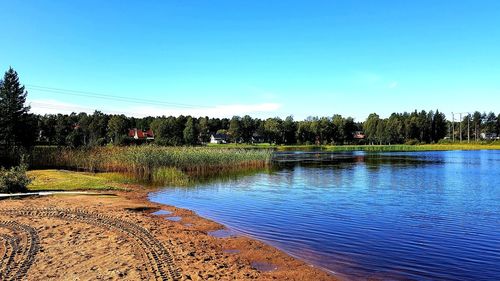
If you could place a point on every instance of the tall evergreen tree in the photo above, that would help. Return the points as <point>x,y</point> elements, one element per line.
<point>498,125</point>
<point>18,127</point>
<point>477,120</point>
<point>440,127</point>
<point>490,123</point>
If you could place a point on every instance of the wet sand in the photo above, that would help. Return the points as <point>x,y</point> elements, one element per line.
<point>81,237</point>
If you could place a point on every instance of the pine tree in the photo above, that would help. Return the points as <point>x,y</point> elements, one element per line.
<point>440,126</point>
<point>16,124</point>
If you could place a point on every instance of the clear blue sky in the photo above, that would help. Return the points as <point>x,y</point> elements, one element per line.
<point>266,58</point>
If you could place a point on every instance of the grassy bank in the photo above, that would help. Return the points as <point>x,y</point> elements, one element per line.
<point>71,181</point>
<point>160,165</point>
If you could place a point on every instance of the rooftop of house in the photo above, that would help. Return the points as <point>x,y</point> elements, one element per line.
<point>141,134</point>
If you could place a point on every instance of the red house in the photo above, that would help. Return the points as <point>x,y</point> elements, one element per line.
<point>358,135</point>
<point>141,134</point>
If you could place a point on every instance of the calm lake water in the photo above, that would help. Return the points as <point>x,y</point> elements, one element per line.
<point>394,216</point>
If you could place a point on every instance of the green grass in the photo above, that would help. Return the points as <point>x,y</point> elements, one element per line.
<point>44,180</point>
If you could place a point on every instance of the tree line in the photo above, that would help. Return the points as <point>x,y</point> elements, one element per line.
<point>19,129</point>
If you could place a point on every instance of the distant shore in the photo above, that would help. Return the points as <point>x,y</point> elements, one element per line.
<point>370,148</point>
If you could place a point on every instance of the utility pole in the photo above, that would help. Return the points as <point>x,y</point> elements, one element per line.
<point>460,125</point>
<point>460,114</point>
<point>453,126</point>
<point>468,128</point>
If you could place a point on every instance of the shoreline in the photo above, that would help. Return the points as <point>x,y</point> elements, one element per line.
<point>231,232</point>
<point>273,253</point>
<point>197,255</point>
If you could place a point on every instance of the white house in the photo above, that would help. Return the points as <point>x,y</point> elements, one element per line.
<point>489,136</point>
<point>219,138</point>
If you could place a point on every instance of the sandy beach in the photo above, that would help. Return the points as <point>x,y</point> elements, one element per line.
<point>116,237</point>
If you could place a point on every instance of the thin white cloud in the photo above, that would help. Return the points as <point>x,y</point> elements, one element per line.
<point>216,111</point>
<point>51,106</point>
<point>55,106</point>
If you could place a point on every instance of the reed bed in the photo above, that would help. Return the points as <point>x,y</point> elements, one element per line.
<point>156,164</point>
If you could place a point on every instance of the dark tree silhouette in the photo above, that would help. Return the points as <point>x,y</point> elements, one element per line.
<point>18,128</point>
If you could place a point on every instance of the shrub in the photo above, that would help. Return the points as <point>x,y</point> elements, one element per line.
<point>14,179</point>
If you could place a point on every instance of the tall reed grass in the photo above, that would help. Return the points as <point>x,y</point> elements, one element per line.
<point>153,163</point>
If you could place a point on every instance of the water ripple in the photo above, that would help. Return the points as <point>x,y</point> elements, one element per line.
<point>391,216</point>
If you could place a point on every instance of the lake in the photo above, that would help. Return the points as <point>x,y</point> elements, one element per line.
<point>393,216</point>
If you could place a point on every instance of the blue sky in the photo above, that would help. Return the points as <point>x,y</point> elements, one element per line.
<point>263,58</point>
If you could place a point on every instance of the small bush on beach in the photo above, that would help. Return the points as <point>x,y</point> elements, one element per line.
<point>14,179</point>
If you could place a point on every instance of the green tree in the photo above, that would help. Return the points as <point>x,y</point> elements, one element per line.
<point>247,128</point>
<point>235,128</point>
<point>490,123</point>
<point>273,130</point>
<point>412,127</point>
<point>325,130</point>
<point>204,129</point>
<point>477,120</point>
<point>303,132</point>
<point>75,138</point>
<point>190,132</point>
<point>394,128</point>
<point>18,127</point>
<point>498,125</point>
<point>382,136</point>
<point>98,128</point>
<point>166,131</point>
<point>349,129</point>
<point>117,128</point>
<point>370,127</point>
<point>338,122</point>
<point>47,125</point>
<point>289,129</point>
<point>440,126</point>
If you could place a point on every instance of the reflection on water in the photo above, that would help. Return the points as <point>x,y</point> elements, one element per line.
<point>221,233</point>
<point>400,216</point>
<point>162,213</point>
<point>173,218</point>
<point>263,266</point>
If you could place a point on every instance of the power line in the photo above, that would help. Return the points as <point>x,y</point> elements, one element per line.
<point>78,109</point>
<point>88,94</point>
<point>111,97</point>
